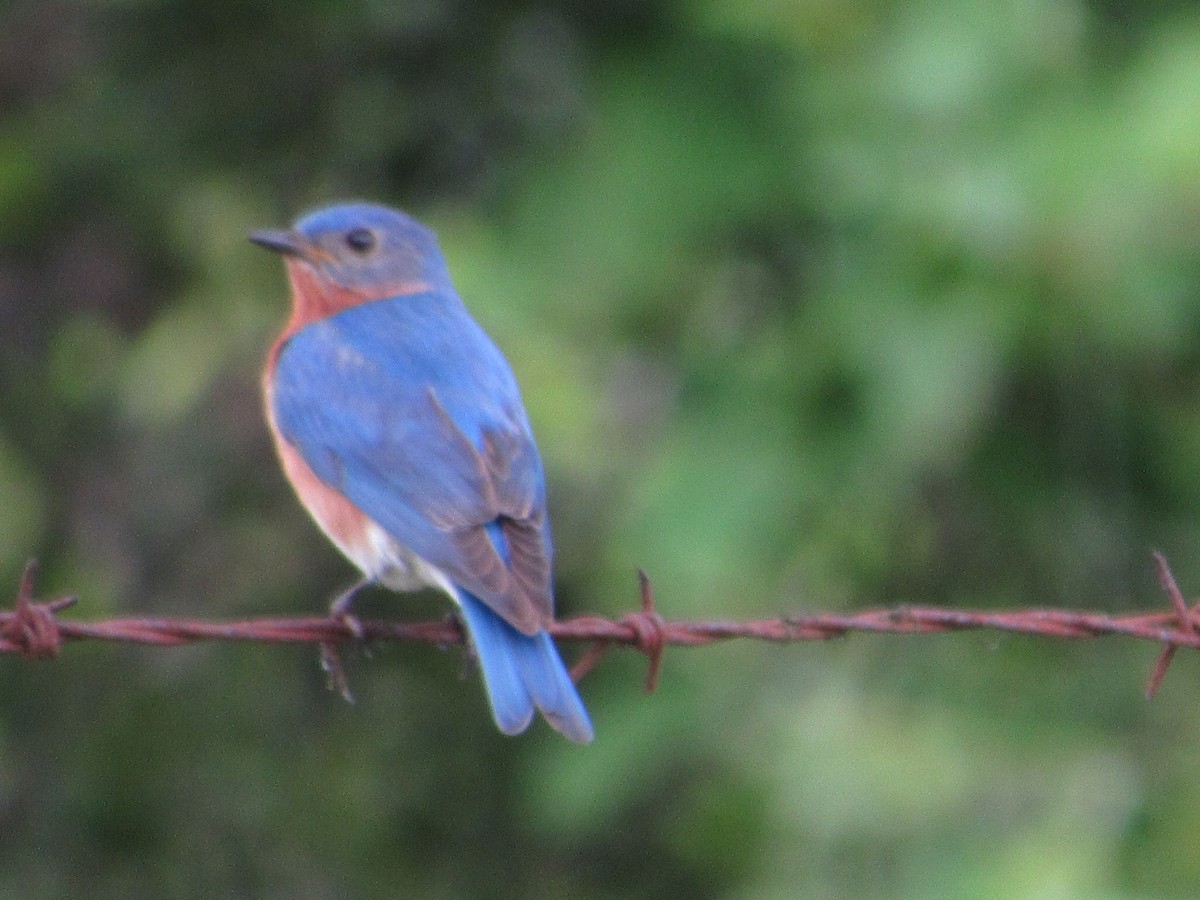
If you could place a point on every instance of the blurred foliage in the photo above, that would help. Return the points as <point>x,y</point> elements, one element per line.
<point>815,305</point>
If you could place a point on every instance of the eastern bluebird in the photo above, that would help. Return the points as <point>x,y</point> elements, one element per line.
<point>400,426</point>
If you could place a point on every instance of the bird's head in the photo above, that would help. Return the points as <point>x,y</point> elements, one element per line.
<point>353,253</point>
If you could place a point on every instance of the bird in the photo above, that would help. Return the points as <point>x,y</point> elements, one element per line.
<point>401,427</point>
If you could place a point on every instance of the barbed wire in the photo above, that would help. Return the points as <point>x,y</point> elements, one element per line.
<point>34,629</point>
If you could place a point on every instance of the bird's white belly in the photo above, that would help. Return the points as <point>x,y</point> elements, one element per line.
<point>382,558</point>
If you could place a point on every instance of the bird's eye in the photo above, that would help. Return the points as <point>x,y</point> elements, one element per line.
<point>360,240</point>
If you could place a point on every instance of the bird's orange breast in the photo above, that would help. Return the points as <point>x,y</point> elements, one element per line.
<point>344,523</point>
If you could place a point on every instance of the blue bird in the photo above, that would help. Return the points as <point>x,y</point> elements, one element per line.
<point>400,425</point>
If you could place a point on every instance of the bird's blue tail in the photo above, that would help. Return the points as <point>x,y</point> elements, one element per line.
<point>522,672</point>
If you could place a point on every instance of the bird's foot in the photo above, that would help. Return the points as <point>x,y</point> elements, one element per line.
<point>335,673</point>
<point>331,655</point>
<point>340,609</point>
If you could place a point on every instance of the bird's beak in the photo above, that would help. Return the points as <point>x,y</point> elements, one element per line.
<point>286,242</point>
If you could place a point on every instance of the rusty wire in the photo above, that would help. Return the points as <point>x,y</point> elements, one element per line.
<point>35,629</point>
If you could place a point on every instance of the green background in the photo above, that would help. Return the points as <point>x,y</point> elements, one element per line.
<point>816,305</point>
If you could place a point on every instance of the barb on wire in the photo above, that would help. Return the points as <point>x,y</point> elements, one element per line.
<point>35,629</point>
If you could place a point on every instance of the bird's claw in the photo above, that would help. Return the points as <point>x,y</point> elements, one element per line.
<point>331,662</point>
<point>331,655</point>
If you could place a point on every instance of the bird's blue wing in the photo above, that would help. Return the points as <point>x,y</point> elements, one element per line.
<point>407,408</point>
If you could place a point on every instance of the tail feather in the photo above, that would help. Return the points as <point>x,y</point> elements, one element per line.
<point>523,672</point>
